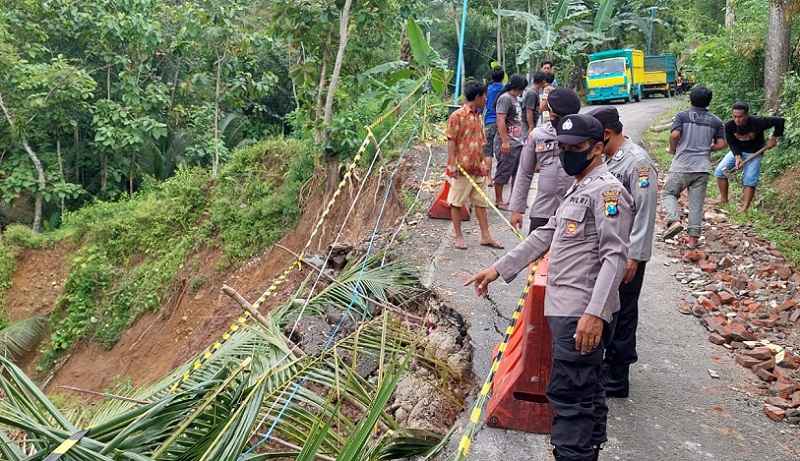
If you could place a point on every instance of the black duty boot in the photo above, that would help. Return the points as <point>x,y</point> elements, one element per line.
<point>614,379</point>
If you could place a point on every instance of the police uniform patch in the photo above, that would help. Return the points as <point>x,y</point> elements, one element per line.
<point>572,227</point>
<point>643,174</point>
<point>541,147</point>
<point>610,201</point>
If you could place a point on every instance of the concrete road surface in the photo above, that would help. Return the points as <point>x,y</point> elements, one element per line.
<point>676,410</point>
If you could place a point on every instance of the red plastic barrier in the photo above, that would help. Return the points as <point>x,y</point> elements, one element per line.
<point>518,401</point>
<point>440,209</point>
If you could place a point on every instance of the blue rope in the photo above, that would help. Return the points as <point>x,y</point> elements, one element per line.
<point>356,290</point>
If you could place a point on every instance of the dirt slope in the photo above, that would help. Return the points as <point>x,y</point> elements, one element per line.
<point>157,342</point>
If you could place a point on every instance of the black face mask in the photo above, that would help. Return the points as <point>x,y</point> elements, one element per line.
<point>576,162</point>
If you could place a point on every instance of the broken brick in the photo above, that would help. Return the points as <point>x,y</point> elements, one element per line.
<point>765,365</point>
<point>707,303</point>
<point>795,316</point>
<point>766,375</point>
<point>739,333</point>
<point>707,266</point>
<point>747,362</point>
<point>779,402</point>
<point>775,413</point>
<point>725,297</point>
<point>692,256</point>
<point>785,306</point>
<point>716,339</point>
<point>760,353</point>
<point>782,388</point>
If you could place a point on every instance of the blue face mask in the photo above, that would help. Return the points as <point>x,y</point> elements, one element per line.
<point>574,163</point>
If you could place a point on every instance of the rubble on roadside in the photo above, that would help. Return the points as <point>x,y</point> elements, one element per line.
<point>746,294</point>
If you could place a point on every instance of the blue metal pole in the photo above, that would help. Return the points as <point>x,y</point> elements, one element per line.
<point>461,51</point>
<point>652,18</point>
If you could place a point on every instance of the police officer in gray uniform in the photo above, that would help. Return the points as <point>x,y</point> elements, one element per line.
<point>543,148</point>
<point>588,241</point>
<point>635,169</point>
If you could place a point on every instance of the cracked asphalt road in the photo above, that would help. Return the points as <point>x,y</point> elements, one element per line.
<point>676,410</point>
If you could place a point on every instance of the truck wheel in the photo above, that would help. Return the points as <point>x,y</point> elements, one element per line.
<point>665,93</point>
<point>638,96</point>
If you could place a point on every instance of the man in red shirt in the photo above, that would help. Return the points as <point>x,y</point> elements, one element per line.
<point>465,140</point>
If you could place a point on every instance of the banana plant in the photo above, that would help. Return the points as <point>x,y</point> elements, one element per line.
<point>427,65</point>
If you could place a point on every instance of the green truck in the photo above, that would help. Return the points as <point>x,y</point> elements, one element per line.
<point>660,76</point>
<point>614,75</point>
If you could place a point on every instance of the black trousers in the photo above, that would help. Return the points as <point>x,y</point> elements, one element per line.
<point>575,393</point>
<point>622,349</point>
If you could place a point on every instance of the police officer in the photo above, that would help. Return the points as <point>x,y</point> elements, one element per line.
<point>634,168</point>
<point>542,147</point>
<point>588,241</point>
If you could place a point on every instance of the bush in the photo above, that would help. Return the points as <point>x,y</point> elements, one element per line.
<point>6,268</point>
<point>256,198</point>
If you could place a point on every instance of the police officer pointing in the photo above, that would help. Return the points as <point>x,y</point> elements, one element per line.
<point>588,241</point>
<point>634,168</point>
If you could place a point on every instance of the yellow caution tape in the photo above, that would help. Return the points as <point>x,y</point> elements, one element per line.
<point>477,409</point>
<point>66,445</point>
<point>488,201</point>
<point>242,320</point>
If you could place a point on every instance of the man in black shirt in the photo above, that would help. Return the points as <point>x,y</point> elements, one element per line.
<point>745,135</point>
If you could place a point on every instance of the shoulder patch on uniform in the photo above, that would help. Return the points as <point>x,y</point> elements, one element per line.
<point>610,201</point>
<point>643,176</point>
<point>544,146</point>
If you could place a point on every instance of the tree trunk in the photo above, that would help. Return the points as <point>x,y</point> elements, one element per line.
<point>217,92</point>
<point>499,36</point>
<point>37,211</point>
<point>175,83</point>
<point>104,176</point>
<point>323,77</point>
<point>60,167</point>
<point>730,16</point>
<point>776,61</point>
<point>330,159</point>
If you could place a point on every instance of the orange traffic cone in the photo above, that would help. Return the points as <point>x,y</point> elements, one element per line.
<point>519,400</point>
<point>440,208</point>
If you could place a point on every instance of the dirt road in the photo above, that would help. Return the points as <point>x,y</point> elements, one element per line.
<point>676,411</point>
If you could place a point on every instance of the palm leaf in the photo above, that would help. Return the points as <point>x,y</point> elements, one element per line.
<point>20,337</point>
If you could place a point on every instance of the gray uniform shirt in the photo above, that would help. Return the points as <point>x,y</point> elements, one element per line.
<point>553,181</point>
<point>634,168</point>
<point>699,129</point>
<point>588,241</point>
